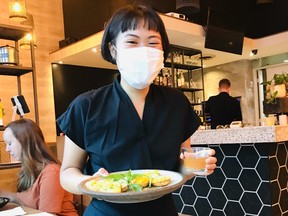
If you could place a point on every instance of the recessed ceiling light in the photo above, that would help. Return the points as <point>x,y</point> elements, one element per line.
<point>94,50</point>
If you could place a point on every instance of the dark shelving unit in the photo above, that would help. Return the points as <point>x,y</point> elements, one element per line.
<point>14,33</point>
<point>189,61</point>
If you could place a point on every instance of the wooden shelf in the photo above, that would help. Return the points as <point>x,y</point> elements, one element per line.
<point>13,31</point>
<point>8,70</point>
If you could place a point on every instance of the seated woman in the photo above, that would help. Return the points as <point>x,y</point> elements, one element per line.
<point>39,182</point>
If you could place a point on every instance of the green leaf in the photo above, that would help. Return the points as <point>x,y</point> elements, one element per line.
<point>136,187</point>
<point>115,176</point>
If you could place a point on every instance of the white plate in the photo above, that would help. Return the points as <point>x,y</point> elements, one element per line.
<point>177,180</point>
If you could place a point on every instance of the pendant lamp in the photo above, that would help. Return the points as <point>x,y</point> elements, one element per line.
<point>17,10</point>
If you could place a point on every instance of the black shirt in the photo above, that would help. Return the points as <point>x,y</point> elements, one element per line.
<point>223,109</point>
<point>105,123</point>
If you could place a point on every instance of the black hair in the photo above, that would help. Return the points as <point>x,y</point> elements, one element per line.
<point>224,82</point>
<point>128,18</point>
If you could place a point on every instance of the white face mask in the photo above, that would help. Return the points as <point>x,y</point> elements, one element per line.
<point>140,66</point>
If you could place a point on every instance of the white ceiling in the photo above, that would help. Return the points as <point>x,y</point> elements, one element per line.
<point>180,32</point>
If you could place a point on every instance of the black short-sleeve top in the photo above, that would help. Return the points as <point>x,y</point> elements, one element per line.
<point>106,125</point>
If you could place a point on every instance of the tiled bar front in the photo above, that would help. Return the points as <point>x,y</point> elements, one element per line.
<point>250,178</point>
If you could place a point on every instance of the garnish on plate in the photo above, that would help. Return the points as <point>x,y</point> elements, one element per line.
<point>122,182</point>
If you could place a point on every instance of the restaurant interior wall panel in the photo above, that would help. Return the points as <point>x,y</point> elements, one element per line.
<point>69,81</point>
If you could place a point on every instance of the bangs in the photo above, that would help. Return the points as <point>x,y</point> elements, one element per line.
<point>132,17</point>
<point>132,23</point>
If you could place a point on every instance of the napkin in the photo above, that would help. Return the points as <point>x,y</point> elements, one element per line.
<point>13,212</point>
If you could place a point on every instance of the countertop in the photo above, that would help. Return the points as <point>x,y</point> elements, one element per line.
<point>254,134</point>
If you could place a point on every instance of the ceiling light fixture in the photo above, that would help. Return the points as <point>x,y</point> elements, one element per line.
<point>17,10</point>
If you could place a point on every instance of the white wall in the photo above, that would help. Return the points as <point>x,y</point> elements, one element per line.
<point>240,74</point>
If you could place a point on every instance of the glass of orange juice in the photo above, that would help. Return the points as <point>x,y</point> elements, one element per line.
<point>194,160</point>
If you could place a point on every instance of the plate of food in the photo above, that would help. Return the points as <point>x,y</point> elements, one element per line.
<point>132,186</point>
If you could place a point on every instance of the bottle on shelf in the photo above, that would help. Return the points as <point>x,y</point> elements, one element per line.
<point>178,79</point>
<point>177,58</point>
<point>188,60</point>
<point>182,79</point>
<point>201,117</point>
<point>168,59</point>
<point>159,79</point>
<point>166,77</point>
<point>193,83</point>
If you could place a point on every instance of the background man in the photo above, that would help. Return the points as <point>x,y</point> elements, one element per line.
<point>223,108</point>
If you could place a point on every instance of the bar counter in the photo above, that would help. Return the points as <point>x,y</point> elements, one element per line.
<point>251,175</point>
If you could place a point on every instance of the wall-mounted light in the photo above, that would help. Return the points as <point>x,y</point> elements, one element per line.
<point>25,42</point>
<point>17,10</point>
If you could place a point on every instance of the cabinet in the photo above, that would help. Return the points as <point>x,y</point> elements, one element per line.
<point>184,71</point>
<point>14,33</point>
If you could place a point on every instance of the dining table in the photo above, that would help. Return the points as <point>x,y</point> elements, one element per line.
<point>28,210</point>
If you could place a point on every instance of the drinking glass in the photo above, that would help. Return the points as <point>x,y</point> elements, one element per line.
<point>194,160</point>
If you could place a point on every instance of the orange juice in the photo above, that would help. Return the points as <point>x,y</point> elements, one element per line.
<point>195,163</point>
<point>194,160</point>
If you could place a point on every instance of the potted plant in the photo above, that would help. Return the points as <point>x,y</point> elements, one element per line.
<point>276,88</point>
